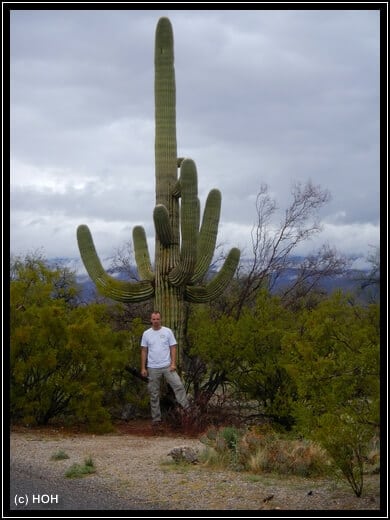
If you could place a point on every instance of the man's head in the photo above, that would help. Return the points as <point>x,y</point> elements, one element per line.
<point>155,320</point>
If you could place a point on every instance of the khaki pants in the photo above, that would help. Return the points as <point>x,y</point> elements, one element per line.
<point>174,381</point>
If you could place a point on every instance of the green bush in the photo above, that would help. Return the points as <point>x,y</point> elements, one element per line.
<point>59,455</point>
<point>66,361</point>
<point>81,470</point>
<point>333,357</point>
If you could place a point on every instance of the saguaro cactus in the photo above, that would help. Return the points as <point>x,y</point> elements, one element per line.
<point>184,246</point>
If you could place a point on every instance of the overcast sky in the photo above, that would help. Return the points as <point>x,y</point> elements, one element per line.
<point>275,97</point>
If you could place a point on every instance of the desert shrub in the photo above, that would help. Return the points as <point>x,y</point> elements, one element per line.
<point>289,457</point>
<point>334,358</point>
<point>222,445</point>
<point>81,470</point>
<point>59,455</point>
<point>260,449</point>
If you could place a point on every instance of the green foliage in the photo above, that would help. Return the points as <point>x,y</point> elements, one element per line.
<point>222,446</point>
<point>333,357</point>
<point>247,351</point>
<point>59,455</point>
<point>316,368</point>
<point>81,470</point>
<point>231,436</point>
<point>64,360</point>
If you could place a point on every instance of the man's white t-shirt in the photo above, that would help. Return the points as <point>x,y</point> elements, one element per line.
<point>158,343</point>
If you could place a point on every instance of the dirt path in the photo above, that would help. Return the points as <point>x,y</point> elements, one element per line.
<point>133,464</point>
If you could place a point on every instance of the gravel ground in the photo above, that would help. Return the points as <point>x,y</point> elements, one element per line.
<point>136,472</point>
<point>34,488</point>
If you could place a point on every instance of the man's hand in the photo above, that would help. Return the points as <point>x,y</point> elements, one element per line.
<point>144,372</point>
<point>172,368</point>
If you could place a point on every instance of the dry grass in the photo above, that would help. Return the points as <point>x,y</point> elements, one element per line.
<point>301,458</point>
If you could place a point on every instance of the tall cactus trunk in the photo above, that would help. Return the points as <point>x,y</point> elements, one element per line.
<point>168,298</point>
<point>184,248</point>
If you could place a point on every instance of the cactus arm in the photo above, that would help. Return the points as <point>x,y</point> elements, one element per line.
<point>162,225</point>
<point>203,294</point>
<point>141,253</point>
<point>184,269</point>
<point>108,286</point>
<point>207,235</point>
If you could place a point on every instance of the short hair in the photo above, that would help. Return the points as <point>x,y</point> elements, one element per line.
<point>155,312</point>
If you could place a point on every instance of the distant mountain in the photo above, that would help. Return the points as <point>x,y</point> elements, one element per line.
<point>348,282</point>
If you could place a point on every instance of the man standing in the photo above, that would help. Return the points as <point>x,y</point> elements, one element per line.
<point>158,358</point>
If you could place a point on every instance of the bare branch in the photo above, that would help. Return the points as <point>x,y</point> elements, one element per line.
<point>272,248</point>
<point>124,261</point>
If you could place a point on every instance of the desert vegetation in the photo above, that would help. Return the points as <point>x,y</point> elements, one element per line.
<point>308,369</point>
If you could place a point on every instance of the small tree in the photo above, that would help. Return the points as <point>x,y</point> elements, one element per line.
<point>63,359</point>
<point>333,357</point>
<point>273,247</point>
<point>245,353</point>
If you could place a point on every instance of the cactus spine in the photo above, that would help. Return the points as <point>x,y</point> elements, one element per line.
<point>183,247</point>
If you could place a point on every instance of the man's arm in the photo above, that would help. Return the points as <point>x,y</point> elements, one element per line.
<point>144,357</point>
<point>173,349</point>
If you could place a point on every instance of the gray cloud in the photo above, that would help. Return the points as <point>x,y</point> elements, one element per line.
<point>273,96</point>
